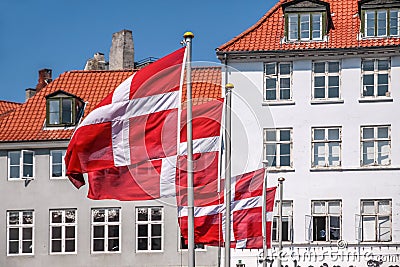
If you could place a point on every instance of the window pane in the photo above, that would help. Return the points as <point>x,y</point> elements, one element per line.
<point>98,231</point>
<point>14,172</point>
<point>98,245</point>
<point>319,134</point>
<point>54,112</point>
<point>28,171</point>
<point>305,26</point>
<point>270,69</point>
<point>284,83</point>
<point>368,133</point>
<point>70,232</point>
<point>56,216</point>
<point>56,156</point>
<point>316,26</point>
<point>113,215</point>
<point>271,83</point>
<point>293,27</point>
<point>142,214</point>
<point>384,228</point>
<point>285,160</point>
<point>156,244</point>
<point>284,68</point>
<point>394,22</point>
<point>27,233</point>
<point>319,92</point>
<point>285,94</point>
<point>13,217</point>
<point>27,157</point>
<point>319,81</point>
<point>383,87</point>
<point>381,23</point>
<point>14,157</point>
<point>368,207</point>
<point>370,23</point>
<point>156,214</point>
<point>56,171</point>
<point>384,207</point>
<point>319,154</point>
<point>271,135</point>
<point>319,67</point>
<point>333,67</point>
<point>284,135</point>
<point>319,228</point>
<point>271,94</point>
<point>334,154</point>
<point>368,85</point>
<point>285,229</point>
<point>383,132</point>
<point>334,207</point>
<point>55,245</point>
<point>383,153</point>
<point>67,110</point>
<point>156,230</point>
<point>99,215</point>
<point>383,64</point>
<point>70,216</point>
<point>113,244</point>
<point>143,230</point>
<point>142,244</point>
<point>333,81</point>
<point>27,217</point>
<point>368,153</point>
<point>286,208</point>
<point>56,232</point>
<point>13,233</point>
<point>333,134</point>
<point>13,247</point>
<point>70,246</point>
<point>26,246</point>
<point>113,231</point>
<point>368,65</point>
<point>334,228</point>
<point>319,207</point>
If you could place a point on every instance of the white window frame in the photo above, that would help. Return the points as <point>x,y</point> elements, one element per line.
<point>376,141</point>
<point>149,222</point>
<point>20,226</point>
<point>376,214</point>
<point>289,217</point>
<point>21,165</point>
<point>326,142</point>
<point>106,223</point>
<point>326,75</point>
<point>327,216</point>
<point>63,225</point>
<point>294,20</point>
<point>376,72</point>
<point>63,169</point>
<point>278,76</point>
<point>278,144</point>
<point>388,27</point>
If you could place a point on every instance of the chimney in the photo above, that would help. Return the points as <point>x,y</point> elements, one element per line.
<point>97,62</point>
<point>122,52</point>
<point>44,79</point>
<point>29,93</point>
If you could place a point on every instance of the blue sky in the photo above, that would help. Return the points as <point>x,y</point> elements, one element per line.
<point>62,35</point>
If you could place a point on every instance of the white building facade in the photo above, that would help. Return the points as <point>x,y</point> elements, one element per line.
<point>316,94</point>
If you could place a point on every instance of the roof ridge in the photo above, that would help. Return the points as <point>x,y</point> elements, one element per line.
<point>256,25</point>
<point>88,71</point>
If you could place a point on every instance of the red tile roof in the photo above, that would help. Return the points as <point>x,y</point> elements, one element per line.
<point>267,34</point>
<point>6,107</point>
<point>26,123</point>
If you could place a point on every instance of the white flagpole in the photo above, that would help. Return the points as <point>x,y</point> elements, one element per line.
<point>280,180</point>
<point>264,214</point>
<point>191,250</point>
<point>228,175</point>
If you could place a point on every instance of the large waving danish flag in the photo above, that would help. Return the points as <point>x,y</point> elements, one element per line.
<point>135,123</point>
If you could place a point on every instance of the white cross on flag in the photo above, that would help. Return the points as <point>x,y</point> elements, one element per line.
<point>136,123</point>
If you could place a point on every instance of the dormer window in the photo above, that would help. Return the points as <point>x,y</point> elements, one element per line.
<point>305,20</point>
<point>63,109</point>
<point>380,19</point>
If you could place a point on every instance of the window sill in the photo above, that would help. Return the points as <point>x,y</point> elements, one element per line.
<point>326,101</point>
<point>148,251</point>
<point>278,103</point>
<point>369,100</point>
<point>282,169</point>
<point>59,178</point>
<point>20,179</point>
<point>364,168</point>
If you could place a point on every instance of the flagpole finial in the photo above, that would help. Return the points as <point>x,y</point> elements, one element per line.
<point>265,163</point>
<point>229,86</point>
<point>281,179</point>
<point>188,35</point>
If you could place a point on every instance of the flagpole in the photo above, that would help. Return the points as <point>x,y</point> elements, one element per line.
<point>228,175</point>
<point>190,181</point>
<point>280,180</point>
<point>264,214</point>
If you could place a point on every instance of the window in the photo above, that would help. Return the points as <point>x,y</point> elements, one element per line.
<point>20,164</point>
<point>381,22</point>
<point>305,26</point>
<point>63,231</point>
<point>376,220</point>
<point>20,226</point>
<point>375,76</point>
<point>149,229</point>
<point>278,81</point>
<point>326,220</point>
<point>106,226</point>
<point>326,80</point>
<point>375,145</point>
<point>63,109</point>
<point>287,221</point>
<point>326,147</point>
<point>57,164</point>
<point>278,146</point>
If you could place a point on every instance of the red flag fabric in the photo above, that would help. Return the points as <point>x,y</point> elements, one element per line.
<point>135,123</point>
<point>156,178</point>
<point>246,215</point>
